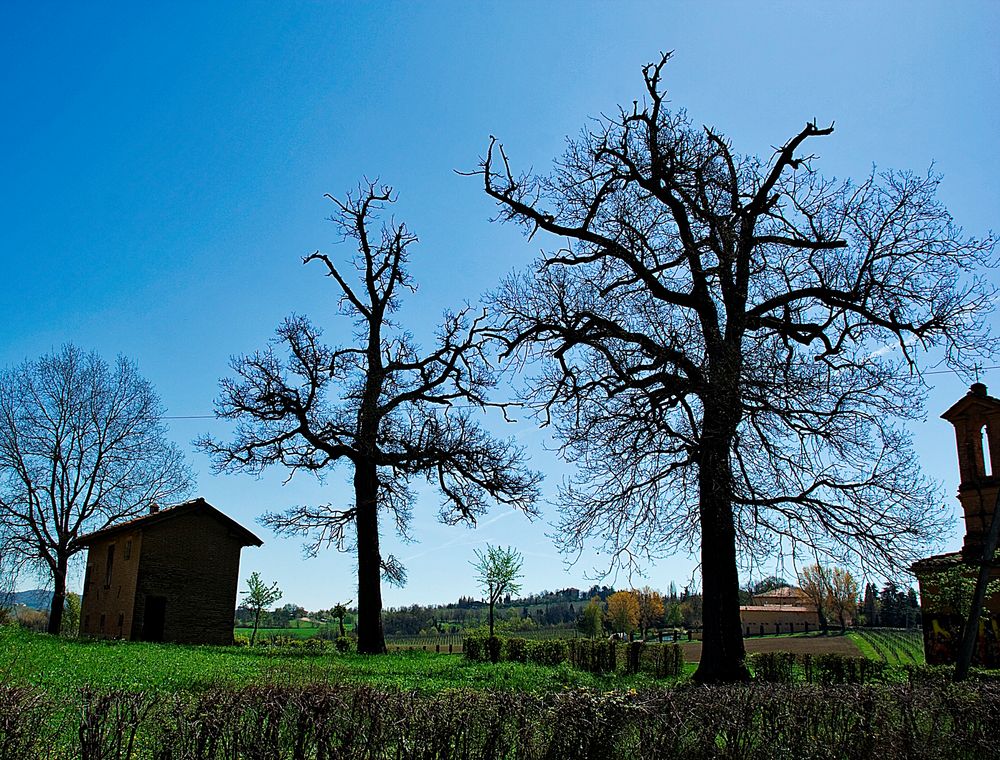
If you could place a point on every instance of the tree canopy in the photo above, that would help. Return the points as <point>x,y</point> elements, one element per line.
<point>82,445</point>
<point>728,344</point>
<point>378,405</point>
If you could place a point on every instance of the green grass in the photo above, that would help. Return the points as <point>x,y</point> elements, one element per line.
<point>62,666</point>
<point>895,647</point>
<point>298,632</point>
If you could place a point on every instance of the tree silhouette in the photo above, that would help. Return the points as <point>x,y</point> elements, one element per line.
<point>81,447</point>
<point>726,344</point>
<point>379,406</point>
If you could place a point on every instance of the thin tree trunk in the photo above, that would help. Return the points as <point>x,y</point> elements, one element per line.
<point>722,654</point>
<point>371,639</point>
<point>58,596</point>
<point>256,623</point>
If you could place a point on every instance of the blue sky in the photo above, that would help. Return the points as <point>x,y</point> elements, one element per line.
<point>165,166</point>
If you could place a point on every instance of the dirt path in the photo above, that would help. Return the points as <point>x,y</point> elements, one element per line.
<point>794,644</point>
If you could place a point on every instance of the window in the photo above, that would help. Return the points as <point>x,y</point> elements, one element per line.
<point>89,577</point>
<point>111,562</point>
<point>128,549</point>
<point>121,622</point>
<point>102,623</point>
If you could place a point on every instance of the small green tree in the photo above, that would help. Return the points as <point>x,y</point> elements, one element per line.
<point>339,611</point>
<point>70,625</point>
<point>259,596</point>
<point>591,623</point>
<point>675,615</point>
<point>499,570</point>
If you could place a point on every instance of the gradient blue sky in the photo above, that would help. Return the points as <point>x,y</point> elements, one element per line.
<point>165,166</point>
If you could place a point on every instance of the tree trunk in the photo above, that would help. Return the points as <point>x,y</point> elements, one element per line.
<point>58,596</point>
<point>722,654</point>
<point>256,623</point>
<point>371,639</point>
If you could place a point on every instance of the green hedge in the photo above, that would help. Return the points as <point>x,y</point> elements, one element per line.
<point>660,660</point>
<point>825,669</point>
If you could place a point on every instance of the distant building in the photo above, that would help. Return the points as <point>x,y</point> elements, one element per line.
<point>783,610</point>
<point>976,417</point>
<point>170,575</point>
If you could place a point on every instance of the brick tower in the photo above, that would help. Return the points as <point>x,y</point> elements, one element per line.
<point>976,417</point>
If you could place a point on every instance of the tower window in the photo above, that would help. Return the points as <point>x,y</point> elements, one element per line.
<point>987,459</point>
<point>111,563</point>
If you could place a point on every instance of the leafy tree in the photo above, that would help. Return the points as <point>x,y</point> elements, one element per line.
<point>952,591</point>
<point>623,611</point>
<point>71,616</point>
<point>590,619</point>
<point>870,605</point>
<point>726,344</point>
<point>339,611</point>
<point>388,412</point>
<point>843,595</point>
<point>675,616</point>
<point>650,609</point>
<point>258,597</point>
<point>499,570</point>
<point>815,583</point>
<point>82,446</point>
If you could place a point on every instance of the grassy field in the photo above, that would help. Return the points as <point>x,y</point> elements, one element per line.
<point>62,666</point>
<point>895,647</point>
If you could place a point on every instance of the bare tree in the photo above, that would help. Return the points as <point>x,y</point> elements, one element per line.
<point>728,342</point>
<point>81,446</point>
<point>379,406</point>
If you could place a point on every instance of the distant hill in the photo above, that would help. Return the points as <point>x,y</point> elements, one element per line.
<point>36,598</point>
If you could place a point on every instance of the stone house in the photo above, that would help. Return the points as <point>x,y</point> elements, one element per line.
<point>170,575</point>
<point>976,418</point>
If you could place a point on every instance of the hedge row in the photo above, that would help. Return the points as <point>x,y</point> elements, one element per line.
<point>826,669</point>
<point>594,656</point>
<point>325,721</point>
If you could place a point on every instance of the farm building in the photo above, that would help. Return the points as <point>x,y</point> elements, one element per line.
<point>170,575</point>
<point>783,610</point>
<point>976,418</point>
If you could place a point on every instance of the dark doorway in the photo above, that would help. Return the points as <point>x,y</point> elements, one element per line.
<point>154,618</point>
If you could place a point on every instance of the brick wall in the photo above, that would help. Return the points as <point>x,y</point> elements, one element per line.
<point>111,597</point>
<point>192,561</point>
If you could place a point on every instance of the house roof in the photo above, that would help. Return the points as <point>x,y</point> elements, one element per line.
<point>937,563</point>
<point>776,608</point>
<point>194,506</point>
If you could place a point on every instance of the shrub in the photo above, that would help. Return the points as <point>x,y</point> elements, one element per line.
<point>344,644</point>
<point>23,713</point>
<point>548,652</point>
<point>519,650</point>
<point>772,667</point>
<point>474,648</point>
<point>830,669</point>
<point>495,648</point>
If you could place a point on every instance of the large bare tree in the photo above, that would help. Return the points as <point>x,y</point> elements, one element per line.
<point>727,344</point>
<point>379,406</point>
<point>82,446</point>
